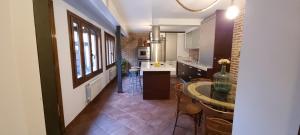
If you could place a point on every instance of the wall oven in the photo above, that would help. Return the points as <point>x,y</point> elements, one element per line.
<point>143,53</point>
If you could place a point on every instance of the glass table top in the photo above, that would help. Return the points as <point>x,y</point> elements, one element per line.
<point>204,91</point>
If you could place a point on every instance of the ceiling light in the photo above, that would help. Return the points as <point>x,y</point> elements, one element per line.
<point>232,12</point>
<point>199,10</point>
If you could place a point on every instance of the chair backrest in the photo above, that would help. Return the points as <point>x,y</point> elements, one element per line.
<point>211,112</point>
<point>217,126</point>
<point>179,90</point>
<point>216,122</point>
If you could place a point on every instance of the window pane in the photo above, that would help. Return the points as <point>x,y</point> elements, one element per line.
<point>110,52</point>
<point>100,51</point>
<point>94,52</point>
<point>77,50</point>
<point>114,51</point>
<point>107,52</point>
<point>87,55</point>
<point>110,49</point>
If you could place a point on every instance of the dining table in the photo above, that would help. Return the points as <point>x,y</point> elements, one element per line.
<point>204,91</point>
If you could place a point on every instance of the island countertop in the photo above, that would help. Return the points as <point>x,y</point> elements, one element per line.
<point>165,66</point>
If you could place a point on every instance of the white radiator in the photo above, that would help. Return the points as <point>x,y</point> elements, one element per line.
<point>92,89</point>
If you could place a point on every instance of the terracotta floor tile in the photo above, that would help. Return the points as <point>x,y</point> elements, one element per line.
<point>98,131</point>
<point>122,131</point>
<point>114,113</point>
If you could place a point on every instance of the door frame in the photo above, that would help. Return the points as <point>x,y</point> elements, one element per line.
<point>49,66</point>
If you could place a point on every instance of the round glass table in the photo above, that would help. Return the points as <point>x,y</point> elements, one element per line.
<point>204,92</point>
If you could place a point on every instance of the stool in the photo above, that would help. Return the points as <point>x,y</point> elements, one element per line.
<point>134,77</point>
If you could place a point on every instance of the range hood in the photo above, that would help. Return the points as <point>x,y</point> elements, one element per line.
<point>157,45</point>
<point>155,34</point>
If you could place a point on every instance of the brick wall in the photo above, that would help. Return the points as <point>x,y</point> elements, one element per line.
<point>130,44</point>
<point>236,45</point>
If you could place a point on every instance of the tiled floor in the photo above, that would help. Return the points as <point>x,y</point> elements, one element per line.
<point>112,113</point>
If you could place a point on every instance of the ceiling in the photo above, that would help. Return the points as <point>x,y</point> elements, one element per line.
<point>141,14</point>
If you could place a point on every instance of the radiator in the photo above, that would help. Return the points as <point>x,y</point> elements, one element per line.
<point>92,89</point>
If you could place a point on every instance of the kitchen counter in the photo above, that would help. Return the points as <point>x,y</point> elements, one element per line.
<point>165,66</point>
<point>193,64</point>
<point>157,79</point>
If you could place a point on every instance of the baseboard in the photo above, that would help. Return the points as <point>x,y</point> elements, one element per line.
<point>98,95</point>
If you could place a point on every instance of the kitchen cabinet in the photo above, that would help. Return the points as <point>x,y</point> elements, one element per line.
<point>187,72</point>
<point>171,46</point>
<point>188,40</point>
<point>181,49</point>
<point>196,38</point>
<point>156,85</point>
<point>192,39</point>
<point>215,40</point>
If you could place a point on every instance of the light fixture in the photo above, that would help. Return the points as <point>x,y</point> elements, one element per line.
<point>197,10</point>
<point>232,11</point>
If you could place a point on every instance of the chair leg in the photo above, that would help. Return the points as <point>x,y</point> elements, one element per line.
<point>140,82</point>
<point>199,118</point>
<point>142,85</point>
<point>196,123</point>
<point>131,84</point>
<point>203,117</point>
<point>177,114</point>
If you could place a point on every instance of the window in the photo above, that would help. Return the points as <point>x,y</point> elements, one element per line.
<point>85,47</point>
<point>110,50</point>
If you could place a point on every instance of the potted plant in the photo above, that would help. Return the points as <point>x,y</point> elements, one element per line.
<point>125,65</point>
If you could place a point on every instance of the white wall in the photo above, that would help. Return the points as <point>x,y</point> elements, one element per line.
<point>20,95</point>
<point>181,50</point>
<point>74,100</point>
<point>171,46</point>
<point>268,93</point>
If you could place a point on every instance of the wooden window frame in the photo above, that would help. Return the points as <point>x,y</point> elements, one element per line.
<point>107,37</point>
<point>97,32</point>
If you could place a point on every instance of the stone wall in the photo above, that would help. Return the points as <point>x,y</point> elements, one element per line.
<point>130,44</point>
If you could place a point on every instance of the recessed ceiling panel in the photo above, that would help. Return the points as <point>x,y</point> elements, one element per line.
<point>140,14</point>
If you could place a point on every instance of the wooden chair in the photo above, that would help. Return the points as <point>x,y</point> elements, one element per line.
<point>217,126</point>
<point>216,122</point>
<point>186,107</point>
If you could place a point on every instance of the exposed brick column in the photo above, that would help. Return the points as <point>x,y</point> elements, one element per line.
<point>236,45</point>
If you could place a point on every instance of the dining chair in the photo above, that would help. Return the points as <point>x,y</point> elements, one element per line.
<point>185,106</point>
<point>215,122</point>
<point>217,126</point>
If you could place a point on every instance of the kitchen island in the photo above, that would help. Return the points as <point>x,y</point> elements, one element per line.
<point>156,79</point>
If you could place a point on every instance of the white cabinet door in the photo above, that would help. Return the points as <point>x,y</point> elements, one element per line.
<point>171,46</point>
<point>196,38</point>
<point>188,40</point>
<point>192,39</point>
<point>207,41</point>
<point>181,48</point>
